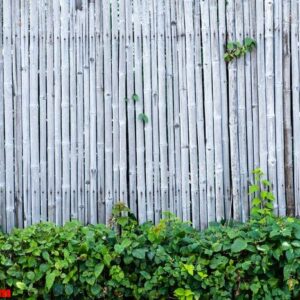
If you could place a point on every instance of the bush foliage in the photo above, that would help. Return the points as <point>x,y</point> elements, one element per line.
<point>171,260</point>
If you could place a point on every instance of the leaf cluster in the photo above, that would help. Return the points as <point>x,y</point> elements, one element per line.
<point>259,259</point>
<point>164,261</point>
<point>236,49</point>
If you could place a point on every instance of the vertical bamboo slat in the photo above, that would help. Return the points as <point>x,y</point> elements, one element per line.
<point>73,114</point>
<point>57,111</point>
<point>224,98</point>
<point>154,101</point>
<point>184,134</point>
<point>100,111</point>
<point>8,114</point>
<point>50,114</point>
<point>16,86</point>
<point>2,133</point>
<point>288,142</point>
<point>217,111</point>
<point>176,104</point>
<point>42,109</point>
<point>80,115</point>
<point>233,119</point>
<point>93,111</point>
<point>130,110</point>
<point>115,100</point>
<point>271,125</point>
<point>147,109</point>
<point>279,138</point>
<point>108,112</point>
<point>139,110</point>
<point>34,113</point>
<point>25,112</point>
<point>162,107</point>
<point>208,108</point>
<point>295,99</point>
<point>200,119</point>
<point>192,125</point>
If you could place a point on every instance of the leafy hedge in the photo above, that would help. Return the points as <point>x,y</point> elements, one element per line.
<point>256,260</point>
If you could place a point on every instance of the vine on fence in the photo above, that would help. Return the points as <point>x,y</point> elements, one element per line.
<point>236,49</point>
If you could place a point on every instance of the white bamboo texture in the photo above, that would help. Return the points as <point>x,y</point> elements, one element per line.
<point>132,101</point>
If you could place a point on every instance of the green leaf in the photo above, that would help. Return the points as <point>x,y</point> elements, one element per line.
<point>69,289</point>
<point>30,275</point>
<point>95,290</point>
<point>122,221</point>
<point>189,269</point>
<point>180,292</point>
<point>21,285</point>
<point>238,245</point>
<point>135,97</point>
<point>45,255</point>
<point>253,188</point>
<point>50,279</point>
<point>256,202</point>
<point>139,253</point>
<point>230,46</point>
<point>107,259</point>
<point>98,270</point>
<point>144,118</point>
<point>119,248</point>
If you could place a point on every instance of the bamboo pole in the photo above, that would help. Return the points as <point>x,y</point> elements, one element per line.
<point>288,140</point>
<point>217,111</point>
<point>65,111</point>
<point>34,113</point>
<point>122,105</point>
<point>241,113</point>
<point>208,107</point>
<point>260,40</point>
<point>254,91</point>
<point>8,114</point>
<point>148,110</point>
<point>50,114</point>
<point>154,98</point>
<point>271,129</point>
<point>25,112</point>
<point>139,108</point>
<point>224,98</point>
<point>16,56</point>
<point>178,204</point>
<point>295,99</point>
<point>115,100</point>
<point>108,111</point>
<point>233,118</point>
<point>170,108</point>
<point>73,114</point>
<point>2,132</point>
<point>248,102</point>
<point>100,110</point>
<point>80,116</point>
<point>192,125</point>
<point>279,138</point>
<point>42,109</point>
<point>86,114</point>
<point>200,118</point>
<point>93,111</point>
<point>185,184</point>
<point>57,111</point>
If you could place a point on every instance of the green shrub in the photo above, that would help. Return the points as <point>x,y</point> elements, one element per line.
<point>171,260</point>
